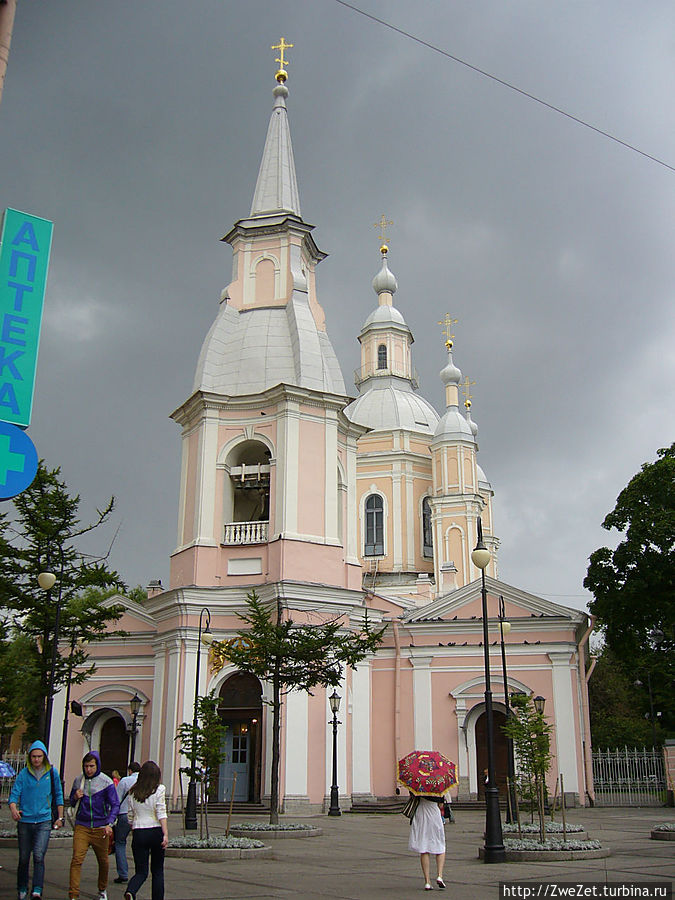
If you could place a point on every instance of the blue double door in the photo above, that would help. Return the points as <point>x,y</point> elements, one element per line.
<point>237,769</point>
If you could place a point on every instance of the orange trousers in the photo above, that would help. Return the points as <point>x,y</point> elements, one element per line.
<point>83,839</point>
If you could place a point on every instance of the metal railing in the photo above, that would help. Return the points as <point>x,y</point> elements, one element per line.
<point>364,372</point>
<point>629,777</point>
<point>17,761</point>
<point>245,533</point>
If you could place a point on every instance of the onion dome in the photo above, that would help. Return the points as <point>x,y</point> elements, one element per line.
<point>384,282</point>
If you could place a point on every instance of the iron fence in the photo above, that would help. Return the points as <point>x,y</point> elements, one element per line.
<point>17,761</point>
<point>629,777</point>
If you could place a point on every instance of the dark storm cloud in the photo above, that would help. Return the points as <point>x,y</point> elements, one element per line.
<point>137,127</point>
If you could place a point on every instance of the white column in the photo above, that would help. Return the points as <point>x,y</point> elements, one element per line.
<point>352,523</point>
<point>341,741</point>
<point>157,699</point>
<point>182,538</point>
<point>206,480</point>
<point>168,758</point>
<point>422,701</point>
<point>565,721</point>
<point>395,517</point>
<point>361,725</point>
<point>331,489</point>
<point>288,469</point>
<point>297,718</point>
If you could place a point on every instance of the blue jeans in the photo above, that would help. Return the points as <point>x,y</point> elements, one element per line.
<point>122,829</point>
<point>147,843</point>
<point>33,838</point>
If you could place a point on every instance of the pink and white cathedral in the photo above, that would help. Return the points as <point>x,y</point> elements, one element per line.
<point>335,505</point>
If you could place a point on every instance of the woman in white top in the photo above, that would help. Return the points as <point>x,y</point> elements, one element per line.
<point>427,835</point>
<point>149,836</point>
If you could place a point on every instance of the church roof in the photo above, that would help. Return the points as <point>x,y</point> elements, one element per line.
<point>390,402</point>
<point>249,351</point>
<point>276,189</point>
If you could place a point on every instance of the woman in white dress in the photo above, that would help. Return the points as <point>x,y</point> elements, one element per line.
<point>427,836</point>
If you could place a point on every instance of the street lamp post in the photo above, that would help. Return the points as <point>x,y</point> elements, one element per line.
<point>191,803</point>
<point>64,731</point>
<point>47,580</point>
<point>505,628</point>
<point>334,809</point>
<point>134,706</point>
<point>494,851</point>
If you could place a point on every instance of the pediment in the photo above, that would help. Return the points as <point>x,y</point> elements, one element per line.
<point>466,604</point>
<point>134,618</point>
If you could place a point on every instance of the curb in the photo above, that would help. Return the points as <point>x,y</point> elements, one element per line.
<point>264,834</point>
<point>218,854</point>
<point>547,855</point>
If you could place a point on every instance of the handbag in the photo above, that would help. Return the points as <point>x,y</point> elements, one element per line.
<point>410,808</point>
<point>111,843</point>
<point>447,812</point>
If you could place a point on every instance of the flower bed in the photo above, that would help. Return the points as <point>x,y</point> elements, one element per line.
<point>533,828</point>
<point>217,848</point>
<point>554,849</point>
<point>276,832</point>
<point>62,836</point>
<point>663,832</point>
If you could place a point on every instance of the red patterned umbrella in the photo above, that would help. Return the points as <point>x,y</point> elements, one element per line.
<point>426,772</point>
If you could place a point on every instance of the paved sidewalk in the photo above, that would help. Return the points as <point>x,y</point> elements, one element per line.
<point>365,856</point>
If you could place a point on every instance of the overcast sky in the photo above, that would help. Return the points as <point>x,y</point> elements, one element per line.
<point>137,128</point>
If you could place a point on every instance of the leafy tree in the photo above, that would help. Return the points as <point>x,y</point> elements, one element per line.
<point>204,744</point>
<point>531,736</point>
<point>294,657</point>
<point>633,586</point>
<point>42,535</point>
<point>616,716</point>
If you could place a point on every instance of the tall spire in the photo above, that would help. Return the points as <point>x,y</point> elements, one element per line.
<point>276,189</point>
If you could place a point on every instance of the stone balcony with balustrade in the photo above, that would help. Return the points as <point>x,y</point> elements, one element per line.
<point>242,533</point>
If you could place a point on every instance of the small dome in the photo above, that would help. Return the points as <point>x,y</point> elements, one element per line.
<point>390,403</point>
<point>385,315</point>
<point>453,426</point>
<point>482,479</point>
<point>450,374</point>
<point>384,281</point>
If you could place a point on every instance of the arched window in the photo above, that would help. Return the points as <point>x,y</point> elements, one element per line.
<point>382,357</point>
<point>374,543</point>
<point>427,533</point>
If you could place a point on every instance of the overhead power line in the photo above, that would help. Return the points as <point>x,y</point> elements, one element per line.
<point>506,84</point>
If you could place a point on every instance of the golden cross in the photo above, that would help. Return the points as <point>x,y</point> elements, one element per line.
<point>383,224</point>
<point>447,324</point>
<point>466,388</point>
<point>282,45</point>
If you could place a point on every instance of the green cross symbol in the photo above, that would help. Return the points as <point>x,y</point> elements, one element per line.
<point>9,461</point>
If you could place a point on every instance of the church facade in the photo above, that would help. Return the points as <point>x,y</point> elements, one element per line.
<point>328,505</point>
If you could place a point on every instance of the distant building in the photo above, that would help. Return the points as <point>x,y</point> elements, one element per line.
<point>337,505</point>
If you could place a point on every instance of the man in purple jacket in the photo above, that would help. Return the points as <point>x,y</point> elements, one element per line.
<point>97,807</point>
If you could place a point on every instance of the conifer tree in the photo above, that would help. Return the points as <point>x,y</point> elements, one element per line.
<point>43,534</point>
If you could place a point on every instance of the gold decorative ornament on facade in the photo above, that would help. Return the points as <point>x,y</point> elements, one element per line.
<point>218,654</point>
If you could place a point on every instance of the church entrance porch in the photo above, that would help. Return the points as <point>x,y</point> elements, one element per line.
<point>241,712</point>
<point>501,752</point>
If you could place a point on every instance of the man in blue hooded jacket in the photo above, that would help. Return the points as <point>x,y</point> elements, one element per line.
<point>97,808</point>
<point>30,803</point>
